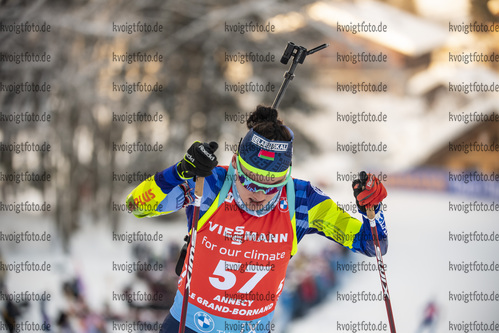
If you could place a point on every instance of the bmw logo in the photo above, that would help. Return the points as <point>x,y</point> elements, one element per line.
<point>204,322</point>
<point>283,205</point>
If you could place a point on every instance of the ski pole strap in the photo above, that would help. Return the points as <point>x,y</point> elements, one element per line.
<point>198,191</point>
<point>226,185</point>
<point>371,215</point>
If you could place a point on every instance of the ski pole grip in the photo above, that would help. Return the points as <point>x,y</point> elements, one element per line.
<point>371,214</point>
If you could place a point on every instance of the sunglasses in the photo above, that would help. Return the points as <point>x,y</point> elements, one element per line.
<point>254,186</point>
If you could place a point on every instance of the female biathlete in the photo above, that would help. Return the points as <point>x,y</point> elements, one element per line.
<point>252,216</point>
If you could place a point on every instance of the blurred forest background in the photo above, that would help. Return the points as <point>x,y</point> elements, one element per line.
<point>195,103</point>
<point>193,74</point>
<point>81,73</point>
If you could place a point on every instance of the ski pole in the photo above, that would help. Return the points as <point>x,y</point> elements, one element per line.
<point>198,192</point>
<point>298,53</point>
<point>381,267</point>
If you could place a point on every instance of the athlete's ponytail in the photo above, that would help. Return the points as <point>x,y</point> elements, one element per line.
<point>264,120</point>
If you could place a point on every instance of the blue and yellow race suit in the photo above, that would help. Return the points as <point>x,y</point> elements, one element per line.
<point>239,255</point>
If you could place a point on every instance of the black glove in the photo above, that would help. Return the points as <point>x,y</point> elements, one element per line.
<point>198,161</point>
<point>368,191</point>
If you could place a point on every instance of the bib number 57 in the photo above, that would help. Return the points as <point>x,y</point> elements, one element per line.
<point>224,279</point>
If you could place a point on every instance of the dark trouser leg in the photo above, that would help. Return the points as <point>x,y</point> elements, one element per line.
<point>170,325</point>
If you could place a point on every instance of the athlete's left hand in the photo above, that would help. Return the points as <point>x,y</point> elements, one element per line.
<point>368,191</point>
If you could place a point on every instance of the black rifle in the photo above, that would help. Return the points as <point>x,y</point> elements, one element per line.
<point>299,53</point>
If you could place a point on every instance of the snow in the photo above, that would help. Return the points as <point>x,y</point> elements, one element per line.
<point>91,257</point>
<point>418,268</point>
<point>417,264</point>
<point>418,224</point>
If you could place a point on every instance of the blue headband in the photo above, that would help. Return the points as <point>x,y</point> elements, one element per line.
<point>261,155</point>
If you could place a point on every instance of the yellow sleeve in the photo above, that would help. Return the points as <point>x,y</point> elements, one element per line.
<point>147,199</point>
<point>333,222</point>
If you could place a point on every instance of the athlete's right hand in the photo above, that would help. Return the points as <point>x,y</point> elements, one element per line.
<point>198,161</point>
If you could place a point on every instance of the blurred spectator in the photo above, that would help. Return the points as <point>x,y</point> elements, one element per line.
<point>10,314</point>
<point>429,322</point>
